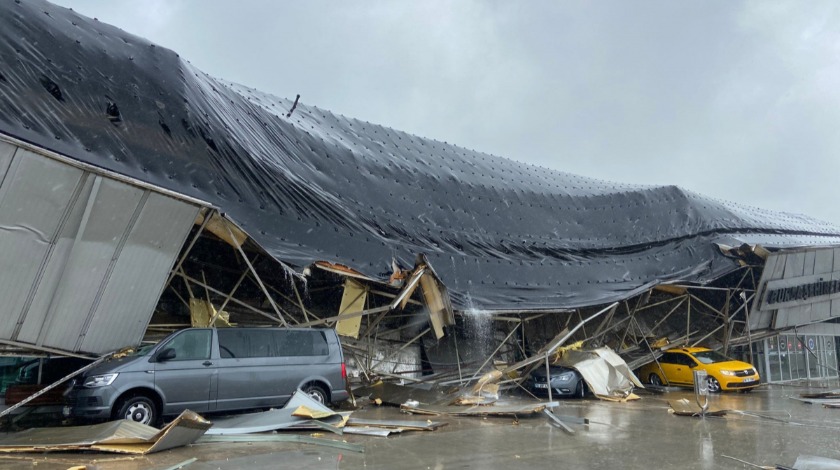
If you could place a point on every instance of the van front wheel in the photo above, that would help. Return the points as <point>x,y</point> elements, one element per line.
<point>316,392</point>
<point>138,408</point>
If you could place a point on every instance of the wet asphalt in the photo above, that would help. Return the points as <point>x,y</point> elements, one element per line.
<point>766,427</point>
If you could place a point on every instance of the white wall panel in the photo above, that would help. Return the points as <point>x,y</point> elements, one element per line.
<point>35,196</point>
<point>83,257</point>
<point>139,274</point>
<point>108,216</point>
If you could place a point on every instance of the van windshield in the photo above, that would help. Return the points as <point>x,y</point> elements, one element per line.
<point>141,350</point>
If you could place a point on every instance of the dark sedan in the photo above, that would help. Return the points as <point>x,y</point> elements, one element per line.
<point>565,382</point>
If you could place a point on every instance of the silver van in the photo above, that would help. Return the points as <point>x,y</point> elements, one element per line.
<point>211,370</point>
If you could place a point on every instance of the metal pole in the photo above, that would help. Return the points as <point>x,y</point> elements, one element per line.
<point>548,376</point>
<point>707,335</point>
<point>475,376</point>
<point>747,315</point>
<point>234,300</point>
<point>227,299</point>
<point>629,325</point>
<point>727,335</point>
<point>688,321</point>
<point>346,316</point>
<point>300,301</point>
<point>190,246</point>
<point>674,309</point>
<point>53,385</point>
<point>407,344</point>
<point>257,277</point>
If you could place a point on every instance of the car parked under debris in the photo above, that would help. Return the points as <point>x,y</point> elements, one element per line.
<point>565,382</point>
<point>213,370</point>
<point>676,367</point>
<point>48,370</point>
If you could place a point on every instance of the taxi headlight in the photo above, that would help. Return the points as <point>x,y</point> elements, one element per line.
<point>727,372</point>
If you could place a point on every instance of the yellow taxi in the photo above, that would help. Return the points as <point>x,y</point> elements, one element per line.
<point>677,366</point>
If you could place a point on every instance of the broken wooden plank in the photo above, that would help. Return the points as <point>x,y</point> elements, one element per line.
<point>352,301</point>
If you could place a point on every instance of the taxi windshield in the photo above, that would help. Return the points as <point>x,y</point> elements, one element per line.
<point>710,357</point>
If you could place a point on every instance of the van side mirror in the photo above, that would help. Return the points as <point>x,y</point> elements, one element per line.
<point>165,355</point>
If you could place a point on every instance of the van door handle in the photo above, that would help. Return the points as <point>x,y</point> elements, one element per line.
<point>207,363</point>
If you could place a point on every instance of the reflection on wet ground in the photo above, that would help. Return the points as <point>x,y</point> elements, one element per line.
<point>768,428</point>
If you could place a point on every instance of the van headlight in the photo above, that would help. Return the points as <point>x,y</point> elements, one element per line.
<point>100,380</point>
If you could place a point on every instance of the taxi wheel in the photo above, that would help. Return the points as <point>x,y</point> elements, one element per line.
<point>714,385</point>
<point>654,379</point>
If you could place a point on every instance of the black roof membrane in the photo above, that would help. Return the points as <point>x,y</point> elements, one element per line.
<point>320,186</point>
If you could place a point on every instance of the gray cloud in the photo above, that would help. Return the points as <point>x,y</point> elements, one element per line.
<point>736,100</point>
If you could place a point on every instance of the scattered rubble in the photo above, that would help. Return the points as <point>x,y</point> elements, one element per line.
<point>123,436</point>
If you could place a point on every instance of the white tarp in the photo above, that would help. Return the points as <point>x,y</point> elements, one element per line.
<point>606,374</point>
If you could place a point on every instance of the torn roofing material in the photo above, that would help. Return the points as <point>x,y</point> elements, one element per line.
<point>280,418</point>
<point>121,436</point>
<point>314,185</point>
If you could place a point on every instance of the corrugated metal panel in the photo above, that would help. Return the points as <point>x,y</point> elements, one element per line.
<point>761,320</point>
<point>823,264</point>
<point>801,314</point>
<point>826,263</point>
<point>835,304</point>
<point>6,152</point>
<point>795,265</point>
<point>84,257</point>
<point>34,197</point>
<point>139,275</point>
<point>109,215</point>
<point>43,293</point>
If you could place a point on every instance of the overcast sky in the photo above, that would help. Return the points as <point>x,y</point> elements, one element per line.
<point>735,100</point>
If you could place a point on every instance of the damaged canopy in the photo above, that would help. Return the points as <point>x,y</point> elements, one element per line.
<point>311,185</point>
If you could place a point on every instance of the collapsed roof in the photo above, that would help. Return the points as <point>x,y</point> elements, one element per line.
<point>310,185</point>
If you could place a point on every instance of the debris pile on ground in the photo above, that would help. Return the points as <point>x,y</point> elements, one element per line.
<point>304,413</point>
<point>300,412</point>
<point>453,402</point>
<point>121,436</point>
<point>383,428</point>
<point>606,374</point>
<point>827,399</point>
